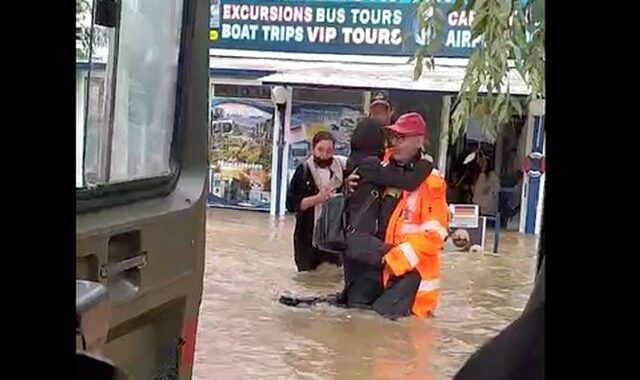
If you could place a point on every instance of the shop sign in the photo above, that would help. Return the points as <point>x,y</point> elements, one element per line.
<point>365,27</point>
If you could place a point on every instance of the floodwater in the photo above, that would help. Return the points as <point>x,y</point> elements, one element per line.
<point>244,333</point>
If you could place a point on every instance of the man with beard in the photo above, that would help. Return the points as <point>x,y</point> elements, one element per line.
<point>313,183</point>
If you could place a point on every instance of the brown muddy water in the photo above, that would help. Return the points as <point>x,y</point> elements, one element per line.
<point>244,333</point>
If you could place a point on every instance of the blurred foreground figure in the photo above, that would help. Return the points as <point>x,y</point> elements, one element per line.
<point>518,351</point>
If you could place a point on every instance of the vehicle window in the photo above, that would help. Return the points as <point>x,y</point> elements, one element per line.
<point>126,90</point>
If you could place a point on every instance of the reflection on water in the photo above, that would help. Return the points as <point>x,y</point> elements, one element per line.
<point>245,334</point>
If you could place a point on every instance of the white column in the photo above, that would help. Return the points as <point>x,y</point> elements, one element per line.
<point>284,185</point>
<point>274,160</point>
<point>538,227</point>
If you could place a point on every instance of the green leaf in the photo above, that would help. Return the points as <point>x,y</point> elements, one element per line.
<point>457,5</point>
<point>479,26</point>
<point>428,63</point>
<point>519,33</point>
<point>497,104</point>
<point>417,68</point>
<point>538,11</point>
<point>515,103</point>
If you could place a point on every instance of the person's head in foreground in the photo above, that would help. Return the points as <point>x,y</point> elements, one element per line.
<point>407,137</point>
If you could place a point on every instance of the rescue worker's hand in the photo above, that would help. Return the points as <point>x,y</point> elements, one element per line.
<point>352,182</point>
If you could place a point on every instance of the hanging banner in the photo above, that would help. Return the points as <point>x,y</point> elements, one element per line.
<point>335,27</point>
<point>240,148</point>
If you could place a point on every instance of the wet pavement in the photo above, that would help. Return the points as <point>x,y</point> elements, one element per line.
<point>244,333</point>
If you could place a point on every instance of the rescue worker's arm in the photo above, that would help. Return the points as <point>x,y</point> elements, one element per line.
<point>393,176</point>
<point>422,239</point>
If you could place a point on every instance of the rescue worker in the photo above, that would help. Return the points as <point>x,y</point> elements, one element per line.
<point>415,224</point>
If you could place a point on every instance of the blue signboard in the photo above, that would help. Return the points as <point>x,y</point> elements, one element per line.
<point>387,28</point>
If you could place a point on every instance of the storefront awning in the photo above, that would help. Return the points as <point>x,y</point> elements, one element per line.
<point>446,77</point>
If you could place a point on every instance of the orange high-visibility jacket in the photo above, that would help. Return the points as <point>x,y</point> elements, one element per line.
<point>417,229</point>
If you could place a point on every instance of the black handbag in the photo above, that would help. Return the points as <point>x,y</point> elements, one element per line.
<point>331,229</point>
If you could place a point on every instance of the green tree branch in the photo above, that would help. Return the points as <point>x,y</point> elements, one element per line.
<point>511,38</point>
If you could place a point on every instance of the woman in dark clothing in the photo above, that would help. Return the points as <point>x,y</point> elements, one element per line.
<point>312,184</point>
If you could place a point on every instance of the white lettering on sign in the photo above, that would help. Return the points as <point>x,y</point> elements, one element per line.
<point>461,39</point>
<point>321,34</point>
<point>282,33</point>
<point>396,37</point>
<point>372,36</point>
<point>267,13</point>
<point>376,16</point>
<point>381,25</point>
<point>461,18</point>
<point>239,31</point>
<point>331,15</point>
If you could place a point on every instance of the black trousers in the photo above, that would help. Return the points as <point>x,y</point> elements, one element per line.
<point>309,258</point>
<point>365,291</point>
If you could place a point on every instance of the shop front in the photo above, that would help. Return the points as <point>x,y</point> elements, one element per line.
<point>329,56</point>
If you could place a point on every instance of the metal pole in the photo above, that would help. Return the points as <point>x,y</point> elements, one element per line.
<point>278,179</point>
<point>496,231</point>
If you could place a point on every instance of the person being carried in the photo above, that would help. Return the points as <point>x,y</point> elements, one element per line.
<point>362,260</point>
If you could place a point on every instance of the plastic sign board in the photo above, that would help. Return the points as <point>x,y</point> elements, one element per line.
<point>384,28</point>
<point>464,216</point>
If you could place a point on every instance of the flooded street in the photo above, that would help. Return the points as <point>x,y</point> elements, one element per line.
<point>244,333</point>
